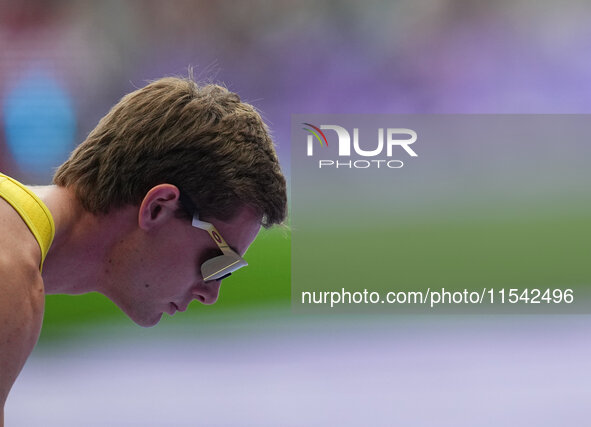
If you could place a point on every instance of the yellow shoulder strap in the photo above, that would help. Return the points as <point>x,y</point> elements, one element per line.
<point>32,210</point>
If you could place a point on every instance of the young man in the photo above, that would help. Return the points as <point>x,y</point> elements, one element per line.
<point>153,210</point>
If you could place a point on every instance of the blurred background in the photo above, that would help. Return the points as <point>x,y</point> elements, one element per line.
<point>248,360</point>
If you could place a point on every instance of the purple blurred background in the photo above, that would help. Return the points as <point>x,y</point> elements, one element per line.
<point>435,56</point>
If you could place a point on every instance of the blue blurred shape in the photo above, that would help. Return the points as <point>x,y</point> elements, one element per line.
<point>39,123</point>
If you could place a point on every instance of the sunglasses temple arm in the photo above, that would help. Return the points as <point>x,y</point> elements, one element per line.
<point>215,235</point>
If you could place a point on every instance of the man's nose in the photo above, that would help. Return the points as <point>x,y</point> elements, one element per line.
<point>207,292</point>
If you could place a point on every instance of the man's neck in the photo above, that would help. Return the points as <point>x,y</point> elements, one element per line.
<point>75,263</point>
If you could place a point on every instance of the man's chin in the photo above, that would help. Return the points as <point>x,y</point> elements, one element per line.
<point>140,317</point>
<point>146,322</point>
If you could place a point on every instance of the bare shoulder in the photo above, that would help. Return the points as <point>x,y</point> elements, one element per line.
<point>21,296</point>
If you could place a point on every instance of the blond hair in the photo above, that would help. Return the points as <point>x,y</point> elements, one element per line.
<point>202,139</point>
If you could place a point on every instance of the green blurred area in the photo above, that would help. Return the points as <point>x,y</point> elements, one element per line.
<point>548,252</point>
<point>265,282</point>
<point>531,250</point>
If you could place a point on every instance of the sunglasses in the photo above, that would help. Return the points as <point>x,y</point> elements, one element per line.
<point>221,266</point>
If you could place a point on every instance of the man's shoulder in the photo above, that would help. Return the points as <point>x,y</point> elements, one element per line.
<point>20,254</point>
<point>21,296</point>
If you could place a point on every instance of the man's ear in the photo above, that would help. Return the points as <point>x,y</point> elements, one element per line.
<point>159,206</point>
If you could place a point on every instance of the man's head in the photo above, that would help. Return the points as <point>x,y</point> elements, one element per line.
<point>169,138</point>
<point>201,139</point>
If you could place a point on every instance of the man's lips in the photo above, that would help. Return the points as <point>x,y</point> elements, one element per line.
<point>172,308</point>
